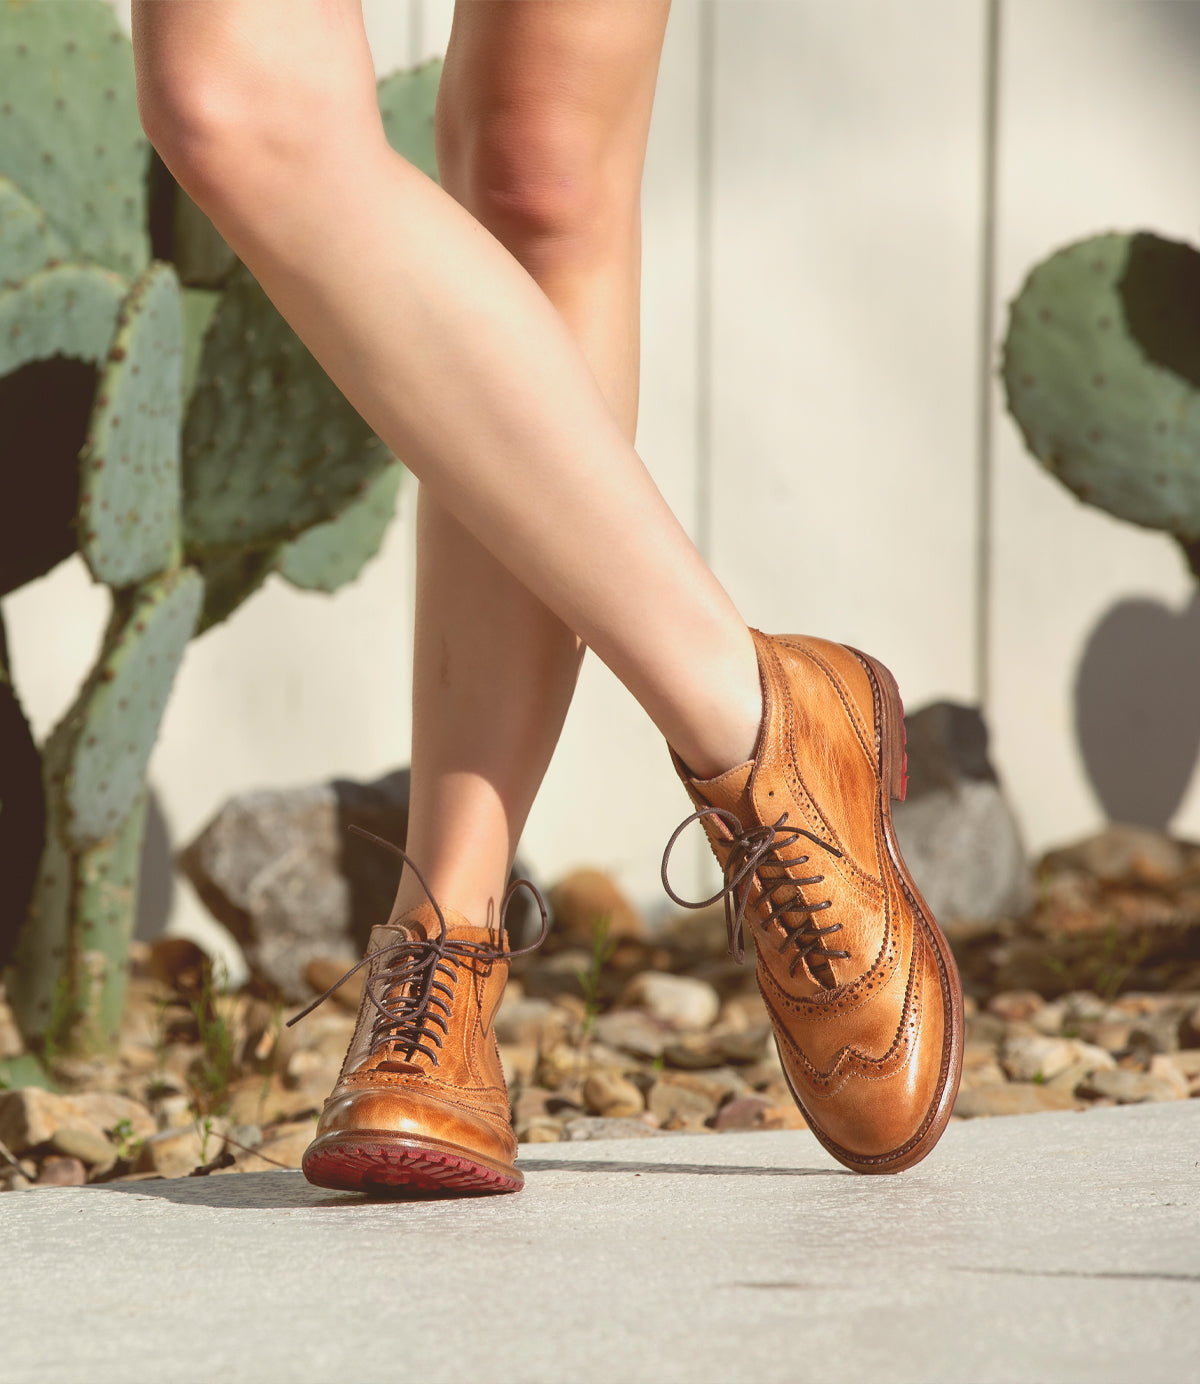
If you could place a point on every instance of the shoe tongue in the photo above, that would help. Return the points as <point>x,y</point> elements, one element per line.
<point>421,924</point>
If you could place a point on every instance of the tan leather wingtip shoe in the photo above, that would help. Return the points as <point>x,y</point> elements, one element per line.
<point>863,991</point>
<point>421,1102</point>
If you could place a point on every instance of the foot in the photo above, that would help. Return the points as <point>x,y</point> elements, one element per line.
<point>421,1101</point>
<point>861,986</point>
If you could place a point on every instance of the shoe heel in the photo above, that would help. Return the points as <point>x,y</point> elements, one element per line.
<point>892,733</point>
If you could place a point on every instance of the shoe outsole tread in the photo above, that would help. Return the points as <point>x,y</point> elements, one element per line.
<point>377,1166</point>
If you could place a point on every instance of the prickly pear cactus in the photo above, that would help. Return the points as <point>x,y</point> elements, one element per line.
<point>1102,373</point>
<point>67,310</point>
<point>108,734</point>
<point>22,808</point>
<point>26,241</point>
<point>270,445</point>
<point>94,768</point>
<point>158,427</point>
<point>330,555</point>
<point>129,518</point>
<point>70,137</point>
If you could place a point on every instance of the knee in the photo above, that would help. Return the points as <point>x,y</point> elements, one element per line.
<point>232,133</point>
<point>544,183</point>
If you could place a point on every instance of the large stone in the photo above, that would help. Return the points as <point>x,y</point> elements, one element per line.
<point>1033,1057</point>
<point>286,875</point>
<point>1017,1098</point>
<point>683,1001</point>
<point>30,1117</point>
<point>1131,1088</point>
<point>586,901</point>
<point>959,835</point>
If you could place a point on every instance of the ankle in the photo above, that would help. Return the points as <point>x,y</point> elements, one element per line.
<point>723,733</point>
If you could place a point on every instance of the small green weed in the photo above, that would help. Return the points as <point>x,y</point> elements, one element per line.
<point>589,978</point>
<point>216,1065</point>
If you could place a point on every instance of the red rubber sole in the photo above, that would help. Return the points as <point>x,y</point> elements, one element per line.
<point>380,1165</point>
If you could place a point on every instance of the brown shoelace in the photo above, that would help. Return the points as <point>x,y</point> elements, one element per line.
<point>414,989</point>
<point>749,849</point>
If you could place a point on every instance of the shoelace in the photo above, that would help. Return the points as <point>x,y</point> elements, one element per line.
<point>750,848</point>
<point>413,991</point>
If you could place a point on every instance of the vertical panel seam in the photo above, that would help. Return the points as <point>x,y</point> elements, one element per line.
<point>985,422</point>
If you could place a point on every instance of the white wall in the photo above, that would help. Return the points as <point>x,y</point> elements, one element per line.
<point>811,396</point>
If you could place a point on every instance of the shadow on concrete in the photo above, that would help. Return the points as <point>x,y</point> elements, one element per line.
<point>271,1191</point>
<point>599,1165</point>
<point>1137,709</point>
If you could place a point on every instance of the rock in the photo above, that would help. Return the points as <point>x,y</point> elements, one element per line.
<point>1110,1034</point>
<point>1155,1032</point>
<point>1186,1062</point>
<point>1122,855</point>
<point>568,1062</point>
<point>285,1146</point>
<point>632,1031</point>
<point>604,1127</point>
<point>178,964</point>
<point>757,1112</point>
<point>959,836</point>
<point>540,1131</point>
<point>86,1145</point>
<point>682,1001</point>
<point>678,1106</point>
<point>980,1067</point>
<point>324,972</point>
<point>1015,1004</point>
<point>175,1152</point>
<point>11,1043</point>
<point>62,1172</point>
<point>109,1111</point>
<point>1162,1067</point>
<point>584,900</point>
<point>30,1117</point>
<point>281,870</point>
<point>1130,1088</point>
<point>518,1061</point>
<point>255,1101</point>
<point>1022,1098</point>
<point>607,1093</point>
<point>1034,1057</point>
<point>535,1021</point>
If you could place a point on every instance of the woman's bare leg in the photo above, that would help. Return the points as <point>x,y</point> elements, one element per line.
<point>266,112</point>
<point>543,114</point>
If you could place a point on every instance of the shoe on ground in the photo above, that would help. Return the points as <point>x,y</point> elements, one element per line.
<point>421,1103</point>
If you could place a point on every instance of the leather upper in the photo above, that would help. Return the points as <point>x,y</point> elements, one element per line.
<point>458,1099</point>
<point>868,1041</point>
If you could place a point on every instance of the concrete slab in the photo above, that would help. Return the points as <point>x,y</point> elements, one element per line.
<point>1048,1247</point>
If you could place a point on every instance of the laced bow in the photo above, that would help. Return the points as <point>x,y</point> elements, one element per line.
<point>749,849</point>
<point>413,990</point>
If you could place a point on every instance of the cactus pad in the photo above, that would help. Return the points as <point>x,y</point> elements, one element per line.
<point>69,310</point>
<point>106,738</point>
<point>406,104</point>
<point>1102,373</point>
<point>129,514</point>
<point>330,555</point>
<point>22,809</point>
<point>270,445</point>
<point>70,136</point>
<point>26,240</point>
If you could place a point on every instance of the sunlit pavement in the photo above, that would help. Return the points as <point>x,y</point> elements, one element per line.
<point>1044,1247</point>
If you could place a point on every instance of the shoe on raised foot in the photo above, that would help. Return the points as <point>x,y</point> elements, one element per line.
<point>421,1102</point>
<point>861,986</point>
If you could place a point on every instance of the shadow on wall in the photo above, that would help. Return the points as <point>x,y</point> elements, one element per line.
<point>1137,709</point>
